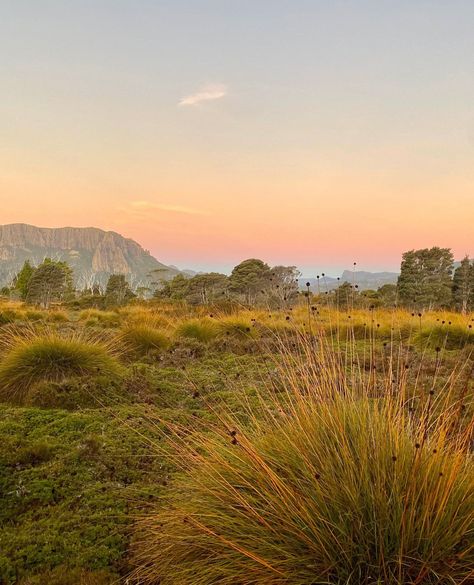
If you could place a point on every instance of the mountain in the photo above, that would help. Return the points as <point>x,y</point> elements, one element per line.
<point>92,253</point>
<point>364,280</point>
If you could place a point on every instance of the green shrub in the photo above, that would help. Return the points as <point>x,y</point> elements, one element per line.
<point>141,340</point>
<point>50,358</point>
<point>201,329</point>
<point>333,492</point>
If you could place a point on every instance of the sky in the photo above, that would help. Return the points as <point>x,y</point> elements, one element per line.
<point>314,133</point>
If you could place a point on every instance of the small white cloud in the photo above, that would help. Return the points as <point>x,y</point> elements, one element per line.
<point>150,206</point>
<point>205,94</point>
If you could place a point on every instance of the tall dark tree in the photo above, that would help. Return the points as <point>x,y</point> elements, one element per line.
<point>463,286</point>
<point>118,291</point>
<point>345,295</point>
<point>21,281</point>
<point>388,294</point>
<point>176,289</point>
<point>425,278</point>
<point>207,288</point>
<point>250,279</point>
<point>50,282</point>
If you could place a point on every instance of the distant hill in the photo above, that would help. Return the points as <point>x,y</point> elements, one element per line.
<point>94,254</point>
<point>364,280</point>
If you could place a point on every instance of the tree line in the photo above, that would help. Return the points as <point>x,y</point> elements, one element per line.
<point>428,280</point>
<point>52,282</point>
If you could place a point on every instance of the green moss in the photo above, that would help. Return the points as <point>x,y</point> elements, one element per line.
<point>68,481</point>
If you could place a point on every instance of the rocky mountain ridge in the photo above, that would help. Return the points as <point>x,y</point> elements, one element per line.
<point>93,254</point>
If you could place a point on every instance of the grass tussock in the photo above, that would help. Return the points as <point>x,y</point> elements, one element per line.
<point>451,336</point>
<point>237,327</point>
<point>142,340</point>
<point>96,317</point>
<point>335,482</point>
<point>203,330</point>
<point>33,359</point>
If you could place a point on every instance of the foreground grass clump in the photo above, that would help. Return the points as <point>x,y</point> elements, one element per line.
<point>50,358</point>
<point>141,340</point>
<point>343,491</point>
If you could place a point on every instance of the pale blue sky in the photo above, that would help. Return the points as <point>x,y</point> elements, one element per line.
<point>310,106</point>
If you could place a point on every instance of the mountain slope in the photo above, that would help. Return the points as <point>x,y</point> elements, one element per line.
<point>93,253</point>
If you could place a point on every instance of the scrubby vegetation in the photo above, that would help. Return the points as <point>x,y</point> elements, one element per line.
<point>197,444</point>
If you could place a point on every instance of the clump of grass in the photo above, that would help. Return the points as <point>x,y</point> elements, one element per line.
<point>57,316</point>
<point>336,493</point>
<point>454,336</point>
<point>8,315</point>
<point>96,317</point>
<point>203,330</point>
<point>141,340</point>
<point>34,315</point>
<point>47,357</point>
<point>138,315</point>
<point>237,327</point>
<point>332,483</point>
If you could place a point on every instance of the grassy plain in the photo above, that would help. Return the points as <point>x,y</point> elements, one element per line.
<point>95,406</point>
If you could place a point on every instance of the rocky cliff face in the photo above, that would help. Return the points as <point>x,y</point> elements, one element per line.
<point>93,254</point>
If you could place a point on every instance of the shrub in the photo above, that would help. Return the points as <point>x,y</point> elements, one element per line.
<point>141,339</point>
<point>345,491</point>
<point>50,358</point>
<point>201,329</point>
